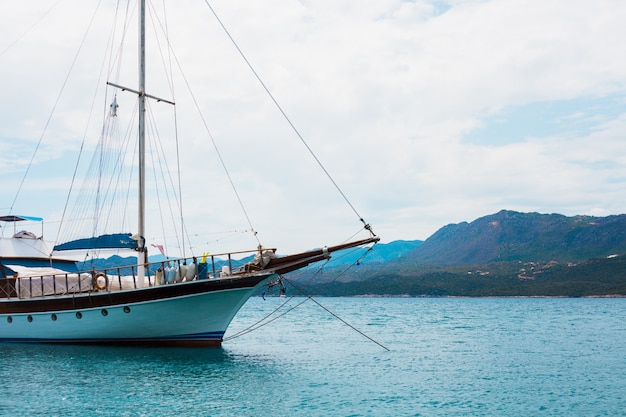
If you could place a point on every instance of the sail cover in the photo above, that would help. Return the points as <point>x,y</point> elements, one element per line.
<point>114,241</point>
<point>14,218</point>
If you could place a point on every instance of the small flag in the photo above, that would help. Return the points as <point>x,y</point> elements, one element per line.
<point>160,248</point>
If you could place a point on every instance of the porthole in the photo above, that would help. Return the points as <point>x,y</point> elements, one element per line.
<point>126,309</point>
<point>53,317</point>
<point>79,315</point>
<point>29,318</point>
<point>104,312</point>
<point>9,319</point>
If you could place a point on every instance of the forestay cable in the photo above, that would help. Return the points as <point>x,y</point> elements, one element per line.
<point>297,132</point>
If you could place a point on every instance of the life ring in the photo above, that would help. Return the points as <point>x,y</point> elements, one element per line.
<point>100,281</point>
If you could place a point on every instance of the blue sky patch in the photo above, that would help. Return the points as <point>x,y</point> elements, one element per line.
<point>575,117</point>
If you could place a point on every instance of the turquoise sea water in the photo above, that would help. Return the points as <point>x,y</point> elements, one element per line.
<point>447,357</point>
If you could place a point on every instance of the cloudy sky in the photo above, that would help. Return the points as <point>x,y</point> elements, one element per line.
<point>424,112</point>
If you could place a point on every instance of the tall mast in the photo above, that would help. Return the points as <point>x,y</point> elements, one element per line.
<point>142,128</point>
<point>141,94</point>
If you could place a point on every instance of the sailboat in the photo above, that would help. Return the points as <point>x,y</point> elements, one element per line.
<point>48,297</point>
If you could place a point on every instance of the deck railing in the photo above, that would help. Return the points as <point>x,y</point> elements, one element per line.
<point>166,272</point>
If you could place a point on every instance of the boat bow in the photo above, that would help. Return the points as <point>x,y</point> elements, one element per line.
<point>289,263</point>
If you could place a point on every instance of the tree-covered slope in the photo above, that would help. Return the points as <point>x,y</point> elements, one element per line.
<point>512,236</point>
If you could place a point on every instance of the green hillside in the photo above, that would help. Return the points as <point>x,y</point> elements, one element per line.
<point>504,254</point>
<point>512,236</point>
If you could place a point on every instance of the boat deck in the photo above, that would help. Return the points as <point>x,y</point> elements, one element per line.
<point>30,283</point>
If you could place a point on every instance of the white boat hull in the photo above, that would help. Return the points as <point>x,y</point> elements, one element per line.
<point>93,307</point>
<point>198,318</point>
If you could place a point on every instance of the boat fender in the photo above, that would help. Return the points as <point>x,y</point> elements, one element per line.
<point>169,274</point>
<point>191,272</point>
<point>100,281</point>
<point>180,273</point>
<point>158,275</point>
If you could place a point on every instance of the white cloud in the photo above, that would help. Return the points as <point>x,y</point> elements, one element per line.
<point>387,93</point>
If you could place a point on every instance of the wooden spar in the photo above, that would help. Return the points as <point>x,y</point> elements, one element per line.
<point>290,263</point>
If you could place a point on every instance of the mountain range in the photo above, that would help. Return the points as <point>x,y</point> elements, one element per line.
<point>508,236</point>
<point>503,254</point>
<point>513,236</point>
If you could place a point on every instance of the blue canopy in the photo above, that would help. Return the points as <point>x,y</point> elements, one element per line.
<point>115,241</point>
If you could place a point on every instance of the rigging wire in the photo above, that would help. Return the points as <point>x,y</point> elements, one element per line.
<point>110,130</point>
<point>128,144</point>
<point>367,226</point>
<point>162,160</point>
<point>161,155</point>
<point>119,52</point>
<point>170,80</point>
<point>96,164</point>
<point>107,191</point>
<point>12,44</point>
<point>183,225</point>
<point>213,142</point>
<point>30,164</point>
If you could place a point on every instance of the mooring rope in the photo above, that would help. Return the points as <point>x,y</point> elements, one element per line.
<point>348,324</point>
<point>266,320</point>
<point>262,322</point>
<point>310,297</point>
